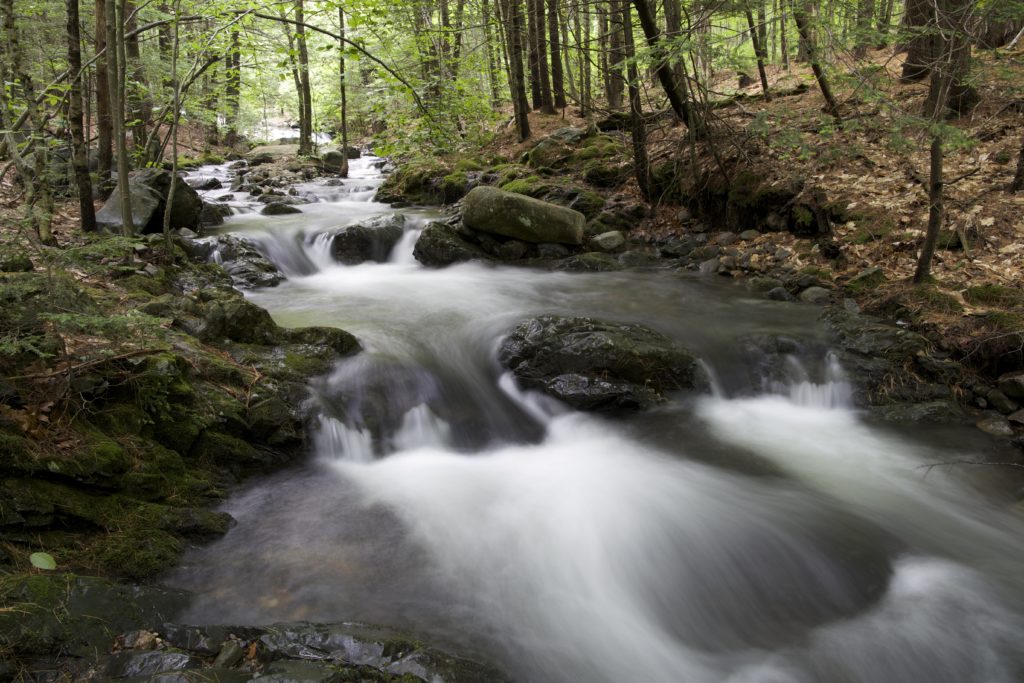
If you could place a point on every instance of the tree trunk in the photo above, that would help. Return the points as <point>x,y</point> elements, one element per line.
<point>513,21</point>
<point>140,106</point>
<point>306,118</point>
<point>547,104</point>
<point>492,67</point>
<point>104,123</point>
<point>233,89</point>
<point>674,29</point>
<point>533,56</point>
<point>920,39</point>
<point>343,172</point>
<point>586,71</point>
<point>759,52</point>
<point>79,147</point>
<point>176,85</point>
<point>865,15</point>
<point>803,27</point>
<point>115,81</point>
<point>783,29</point>
<point>676,92</point>
<point>935,212</point>
<point>616,80</point>
<point>948,90</point>
<point>557,78</point>
<point>884,22</point>
<point>804,47</point>
<point>638,130</point>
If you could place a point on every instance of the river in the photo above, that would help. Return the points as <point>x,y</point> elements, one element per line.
<point>766,533</point>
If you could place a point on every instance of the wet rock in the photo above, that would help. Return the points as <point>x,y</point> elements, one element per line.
<point>278,208</point>
<point>939,411</point>
<point>231,653</point>
<point>749,235</point>
<point>995,424</point>
<point>1012,384</point>
<point>149,188</point>
<point>491,210</point>
<point>710,266</point>
<point>259,159</point>
<point>132,664</point>
<point>213,214</point>
<point>779,294</point>
<point>512,250</point>
<point>679,248</point>
<point>241,259</point>
<point>289,671</point>
<point>552,251</point>
<point>816,295</point>
<point>639,259</point>
<point>370,240</point>
<point>598,365</point>
<point>1001,402</point>
<point>607,241</point>
<point>203,184</point>
<point>1017,417</point>
<point>593,262</point>
<point>334,161</point>
<point>441,245</point>
<point>725,239</point>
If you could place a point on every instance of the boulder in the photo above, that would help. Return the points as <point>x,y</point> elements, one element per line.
<point>370,240</point>
<point>149,188</point>
<point>204,183</point>
<point>214,214</point>
<point>441,245</point>
<point>241,259</point>
<point>495,211</point>
<point>607,241</point>
<point>334,161</point>
<point>599,365</point>
<point>279,209</point>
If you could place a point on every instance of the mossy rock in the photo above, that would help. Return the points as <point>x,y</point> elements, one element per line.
<point>866,280</point>
<point>604,173</point>
<point>549,153</point>
<point>234,454</point>
<point>598,147</point>
<point>76,615</point>
<point>531,186</point>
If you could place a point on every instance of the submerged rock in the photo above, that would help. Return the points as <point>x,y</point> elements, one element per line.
<point>441,245</point>
<point>370,240</point>
<point>599,365</point>
<point>495,211</point>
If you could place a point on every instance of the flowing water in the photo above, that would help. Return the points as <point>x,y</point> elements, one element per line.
<point>766,533</point>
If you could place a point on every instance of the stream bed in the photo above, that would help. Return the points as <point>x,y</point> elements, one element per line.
<point>768,532</point>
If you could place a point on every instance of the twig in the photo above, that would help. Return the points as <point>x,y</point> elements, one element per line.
<point>928,468</point>
<point>86,364</point>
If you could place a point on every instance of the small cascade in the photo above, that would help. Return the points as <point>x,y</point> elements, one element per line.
<point>402,254</point>
<point>336,441</point>
<point>833,391</point>
<point>420,428</point>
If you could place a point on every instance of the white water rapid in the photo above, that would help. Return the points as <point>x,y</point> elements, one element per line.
<point>769,533</point>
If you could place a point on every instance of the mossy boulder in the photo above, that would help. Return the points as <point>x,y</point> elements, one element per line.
<point>148,190</point>
<point>490,210</point>
<point>599,365</point>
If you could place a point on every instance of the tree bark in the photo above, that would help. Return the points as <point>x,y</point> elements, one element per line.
<point>492,67</point>
<point>512,19</point>
<point>616,80</point>
<point>79,148</point>
<point>865,15</point>
<point>803,27</point>
<point>547,104</point>
<point>557,78</point>
<point>920,39</point>
<point>104,123</point>
<point>533,56</point>
<point>233,89</point>
<point>638,129</point>
<point>115,81</point>
<point>676,92</point>
<point>343,172</point>
<point>936,212</point>
<point>759,52</point>
<point>306,114</point>
<point>948,89</point>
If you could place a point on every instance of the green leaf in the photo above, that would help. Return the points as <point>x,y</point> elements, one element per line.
<point>42,561</point>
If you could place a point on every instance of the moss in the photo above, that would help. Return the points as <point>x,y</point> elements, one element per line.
<point>866,281</point>
<point>588,203</point>
<point>532,186</point>
<point>467,164</point>
<point>803,216</point>
<point>139,553</point>
<point>453,186</point>
<point>994,295</point>
<point>935,300</point>
<point>598,147</point>
<point>872,232</point>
